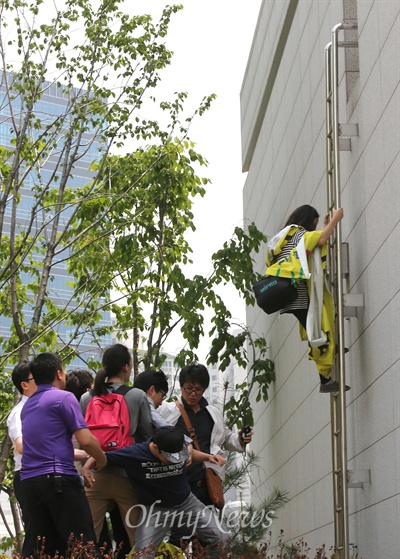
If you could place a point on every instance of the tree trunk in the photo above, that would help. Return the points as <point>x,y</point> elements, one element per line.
<point>4,455</point>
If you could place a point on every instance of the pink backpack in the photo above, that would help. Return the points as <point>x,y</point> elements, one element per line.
<point>107,417</point>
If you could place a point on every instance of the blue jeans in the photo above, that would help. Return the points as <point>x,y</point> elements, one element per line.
<point>182,533</point>
<point>156,521</point>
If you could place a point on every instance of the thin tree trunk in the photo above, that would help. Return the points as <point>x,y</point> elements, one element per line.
<point>19,537</point>
<point>4,455</point>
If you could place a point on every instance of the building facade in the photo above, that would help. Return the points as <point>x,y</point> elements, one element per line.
<point>283,112</point>
<point>53,103</point>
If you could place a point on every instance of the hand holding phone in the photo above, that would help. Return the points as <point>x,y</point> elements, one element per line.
<point>246,429</point>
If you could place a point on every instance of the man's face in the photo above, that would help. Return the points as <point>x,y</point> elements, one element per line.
<point>29,386</point>
<point>192,392</point>
<point>62,379</point>
<point>158,398</point>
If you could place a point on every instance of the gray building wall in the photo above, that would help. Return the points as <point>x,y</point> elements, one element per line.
<point>283,138</point>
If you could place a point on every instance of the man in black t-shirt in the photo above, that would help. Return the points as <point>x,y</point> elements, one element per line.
<point>212,434</point>
<point>157,469</point>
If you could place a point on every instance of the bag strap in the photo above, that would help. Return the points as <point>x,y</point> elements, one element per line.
<point>123,389</point>
<point>189,427</point>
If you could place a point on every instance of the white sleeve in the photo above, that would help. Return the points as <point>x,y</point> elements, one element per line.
<point>14,424</point>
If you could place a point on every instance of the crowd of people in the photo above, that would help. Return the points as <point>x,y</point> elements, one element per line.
<point>154,482</point>
<point>151,487</point>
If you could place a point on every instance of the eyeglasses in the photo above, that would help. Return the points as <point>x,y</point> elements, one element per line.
<point>28,379</point>
<point>164,394</point>
<point>189,390</point>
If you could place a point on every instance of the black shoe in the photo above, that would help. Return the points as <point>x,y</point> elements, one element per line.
<point>330,386</point>
<point>346,350</point>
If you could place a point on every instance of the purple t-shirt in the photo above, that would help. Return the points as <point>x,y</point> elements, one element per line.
<point>48,423</point>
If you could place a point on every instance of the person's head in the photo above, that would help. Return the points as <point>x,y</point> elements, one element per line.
<point>47,368</point>
<point>154,383</point>
<point>23,379</point>
<point>170,445</point>
<point>306,216</point>
<point>79,381</point>
<point>193,379</point>
<point>117,363</point>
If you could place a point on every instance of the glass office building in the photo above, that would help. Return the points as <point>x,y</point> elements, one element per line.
<point>52,103</point>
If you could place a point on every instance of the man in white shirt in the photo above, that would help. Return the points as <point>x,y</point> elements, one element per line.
<point>25,384</point>
<point>155,385</point>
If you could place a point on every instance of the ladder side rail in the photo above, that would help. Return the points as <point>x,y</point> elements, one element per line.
<point>331,278</point>
<point>341,397</point>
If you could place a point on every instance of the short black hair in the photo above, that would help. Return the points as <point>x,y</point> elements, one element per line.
<point>78,382</point>
<point>21,373</point>
<point>195,373</point>
<point>152,378</point>
<point>44,367</point>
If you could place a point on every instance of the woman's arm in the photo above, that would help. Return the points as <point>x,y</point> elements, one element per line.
<point>90,444</point>
<point>330,225</point>
<point>86,472</point>
<point>80,455</point>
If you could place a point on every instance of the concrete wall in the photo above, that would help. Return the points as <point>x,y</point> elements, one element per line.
<point>283,137</point>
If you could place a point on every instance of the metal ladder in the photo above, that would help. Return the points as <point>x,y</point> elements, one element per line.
<point>337,139</point>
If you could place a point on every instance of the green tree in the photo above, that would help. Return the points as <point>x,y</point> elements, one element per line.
<point>123,231</point>
<point>149,261</point>
<point>103,78</point>
<point>104,73</point>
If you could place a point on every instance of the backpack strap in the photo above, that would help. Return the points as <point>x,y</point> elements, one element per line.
<point>123,389</point>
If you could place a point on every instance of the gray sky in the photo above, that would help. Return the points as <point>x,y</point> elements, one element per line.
<point>211,40</point>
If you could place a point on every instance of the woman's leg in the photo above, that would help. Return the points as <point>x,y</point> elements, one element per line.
<point>301,315</point>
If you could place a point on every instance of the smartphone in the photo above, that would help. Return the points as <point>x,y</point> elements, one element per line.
<point>246,429</point>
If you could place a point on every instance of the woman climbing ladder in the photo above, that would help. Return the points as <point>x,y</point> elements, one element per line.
<point>297,250</point>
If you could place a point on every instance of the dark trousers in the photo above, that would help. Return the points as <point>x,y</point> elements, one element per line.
<point>177,534</point>
<point>57,506</point>
<point>27,547</point>
<point>301,315</point>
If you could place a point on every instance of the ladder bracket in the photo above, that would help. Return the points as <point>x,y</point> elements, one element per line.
<point>345,260</point>
<point>345,144</point>
<point>346,132</point>
<point>357,478</point>
<point>352,301</point>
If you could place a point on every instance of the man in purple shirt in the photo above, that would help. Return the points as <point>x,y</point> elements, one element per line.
<point>54,494</point>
